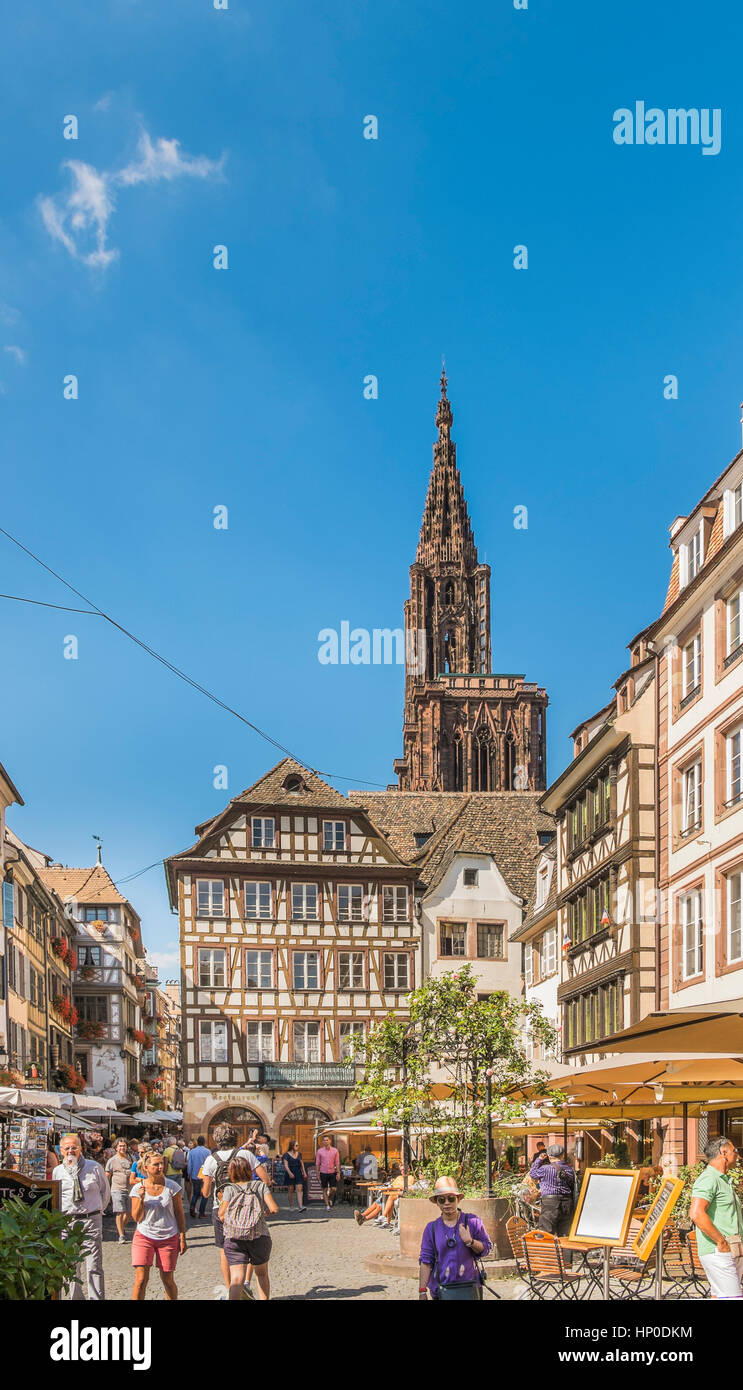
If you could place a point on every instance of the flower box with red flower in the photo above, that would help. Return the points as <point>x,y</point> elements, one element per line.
<point>87,972</point>
<point>99,925</point>
<point>61,947</point>
<point>10,1077</point>
<point>138,1036</point>
<point>91,1029</point>
<point>63,1005</point>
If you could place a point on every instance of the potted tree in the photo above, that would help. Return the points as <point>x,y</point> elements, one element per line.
<point>431,1077</point>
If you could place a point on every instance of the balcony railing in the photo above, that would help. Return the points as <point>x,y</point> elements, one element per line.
<point>276,1075</point>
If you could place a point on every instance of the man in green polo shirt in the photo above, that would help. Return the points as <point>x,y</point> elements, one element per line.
<point>716,1212</point>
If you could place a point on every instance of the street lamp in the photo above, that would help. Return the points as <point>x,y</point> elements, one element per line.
<point>489,1131</point>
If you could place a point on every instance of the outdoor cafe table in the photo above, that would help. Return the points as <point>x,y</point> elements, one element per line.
<point>585,1248</point>
<point>367,1187</point>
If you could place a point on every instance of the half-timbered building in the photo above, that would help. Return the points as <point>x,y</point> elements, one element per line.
<point>604,805</point>
<point>298,933</point>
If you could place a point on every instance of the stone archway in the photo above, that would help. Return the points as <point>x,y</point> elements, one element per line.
<point>299,1125</point>
<point>243,1118</point>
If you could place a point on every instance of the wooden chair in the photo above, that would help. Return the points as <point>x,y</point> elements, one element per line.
<point>630,1277</point>
<point>546,1273</point>
<point>516,1229</point>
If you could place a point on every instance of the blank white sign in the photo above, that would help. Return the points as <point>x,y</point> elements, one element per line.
<point>605,1206</point>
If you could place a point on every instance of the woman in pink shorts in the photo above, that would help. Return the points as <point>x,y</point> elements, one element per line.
<point>157,1209</point>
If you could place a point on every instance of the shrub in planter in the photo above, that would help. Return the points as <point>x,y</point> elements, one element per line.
<point>35,1262</point>
<point>87,972</point>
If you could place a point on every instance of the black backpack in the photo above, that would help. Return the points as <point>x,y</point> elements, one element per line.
<point>222,1175</point>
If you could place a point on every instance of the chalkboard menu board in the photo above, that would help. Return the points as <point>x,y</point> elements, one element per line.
<point>663,1203</point>
<point>15,1184</point>
<point>605,1205</point>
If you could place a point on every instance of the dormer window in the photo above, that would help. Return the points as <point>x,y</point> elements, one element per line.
<point>733,509</point>
<point>690,559</point>
<point>294,783</point>
<point>470,878</point>
<point>421,838</point>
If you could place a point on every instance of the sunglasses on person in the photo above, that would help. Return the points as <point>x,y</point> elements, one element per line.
<point>442,1201</point>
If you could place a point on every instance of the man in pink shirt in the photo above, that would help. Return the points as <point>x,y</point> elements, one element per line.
<point>328,1164</point>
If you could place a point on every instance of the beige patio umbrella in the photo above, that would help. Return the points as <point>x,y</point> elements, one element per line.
<point>638,1079</point>
<point>718,1026</point>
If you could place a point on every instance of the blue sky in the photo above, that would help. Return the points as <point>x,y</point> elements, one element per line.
<point>243,387</point>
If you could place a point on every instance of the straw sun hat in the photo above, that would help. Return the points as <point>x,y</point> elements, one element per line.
<point>445,1187</point>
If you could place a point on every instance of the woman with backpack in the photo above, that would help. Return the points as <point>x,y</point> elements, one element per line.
<point>215,1176</point>
<point>246,1240</point>
<point>452,1248</point>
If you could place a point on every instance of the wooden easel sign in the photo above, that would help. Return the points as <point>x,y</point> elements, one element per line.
<point>658,1216</point>
<point>605,1206</point>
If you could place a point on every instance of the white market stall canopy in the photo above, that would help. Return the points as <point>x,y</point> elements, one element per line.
<point>22,1098</point>
<point>157,1117</point>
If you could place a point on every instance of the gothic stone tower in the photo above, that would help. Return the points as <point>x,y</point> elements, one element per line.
<point>465,729</point>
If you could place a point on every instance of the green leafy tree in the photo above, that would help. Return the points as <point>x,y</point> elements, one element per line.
<point>430,1074</point>
<point>35,1260</point>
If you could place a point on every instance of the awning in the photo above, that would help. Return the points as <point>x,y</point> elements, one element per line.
<point>718,1026</point>
<point>646,1078</point>
<point>86,1102</point>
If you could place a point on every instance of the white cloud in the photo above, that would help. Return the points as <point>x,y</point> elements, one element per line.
<point>104,102</point>
<point>168,960</point>
<point>17,353</point>
<point>8,315</point>
<point>80,218</point>
<point>164,160</point>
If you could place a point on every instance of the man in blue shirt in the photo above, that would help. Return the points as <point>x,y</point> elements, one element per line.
<point>196,1157</point>
<point>556,1181</point>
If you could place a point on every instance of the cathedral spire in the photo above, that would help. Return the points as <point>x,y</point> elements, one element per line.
<point>465,728</point>
<point>446,531</point>
<point>444,416</point>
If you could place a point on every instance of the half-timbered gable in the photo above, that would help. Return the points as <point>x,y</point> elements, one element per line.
<point>298,932</point>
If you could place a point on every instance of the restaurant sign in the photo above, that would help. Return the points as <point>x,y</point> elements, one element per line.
<point>29,1190</point>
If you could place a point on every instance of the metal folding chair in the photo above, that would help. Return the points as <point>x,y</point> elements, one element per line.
<point>546,1273</point>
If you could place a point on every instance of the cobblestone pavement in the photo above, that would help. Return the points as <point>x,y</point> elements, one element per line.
<point>315,1255</point>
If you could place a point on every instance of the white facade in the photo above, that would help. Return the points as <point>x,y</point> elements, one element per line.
<point>464,920</point>
<point>700,652</point>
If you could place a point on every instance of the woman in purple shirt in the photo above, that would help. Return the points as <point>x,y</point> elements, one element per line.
<point>451,1246</point>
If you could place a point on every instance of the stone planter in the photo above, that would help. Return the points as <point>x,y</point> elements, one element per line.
<point>416,1212</point>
